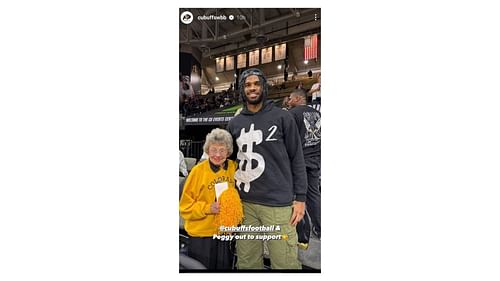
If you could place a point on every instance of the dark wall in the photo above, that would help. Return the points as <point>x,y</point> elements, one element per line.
<point>186,62</point>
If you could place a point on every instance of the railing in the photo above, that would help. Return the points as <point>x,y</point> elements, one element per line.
<point>191,148</point>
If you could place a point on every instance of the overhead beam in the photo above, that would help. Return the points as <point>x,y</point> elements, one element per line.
<point>204,24</point>
<point>209,29</point>
<point>281,35</point>
<point>216,25</point>
<point>195,32</point>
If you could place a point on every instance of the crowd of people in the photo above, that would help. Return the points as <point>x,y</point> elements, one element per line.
<point>199,104</point>
<point>190,103</point>
<point>313,90</point>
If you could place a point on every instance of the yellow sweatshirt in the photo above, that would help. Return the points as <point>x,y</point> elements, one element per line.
<point>199,193</point>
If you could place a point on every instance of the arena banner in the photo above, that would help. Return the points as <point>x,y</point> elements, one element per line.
<point>280,52</point>
<point>242,60</point>
<point>229,63</point>
<point>219,63</point>
<point>215,117</point>
<point>253,58</point>
<point>212,120</point>
<point>196,79</point>
<point>266,55</point>
<point>223,116</point>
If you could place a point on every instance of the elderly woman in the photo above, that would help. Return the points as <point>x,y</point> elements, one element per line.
<point>199,206</point>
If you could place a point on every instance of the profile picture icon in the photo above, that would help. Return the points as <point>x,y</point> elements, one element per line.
<point>186,17</point>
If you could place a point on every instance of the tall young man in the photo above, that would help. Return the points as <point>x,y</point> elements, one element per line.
<point>271,175</point>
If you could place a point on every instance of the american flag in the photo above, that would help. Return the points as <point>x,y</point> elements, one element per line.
<point>311,47</point>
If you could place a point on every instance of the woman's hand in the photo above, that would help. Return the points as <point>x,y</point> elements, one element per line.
<point>215,208</point>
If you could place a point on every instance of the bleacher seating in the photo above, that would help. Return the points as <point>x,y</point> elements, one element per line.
<point>190,162</point>
<point>284,89</point>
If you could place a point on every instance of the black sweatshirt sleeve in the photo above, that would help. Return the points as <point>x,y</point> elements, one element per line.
<point>294,148</point>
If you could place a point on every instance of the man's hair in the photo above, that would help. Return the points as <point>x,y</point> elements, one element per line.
<point>300,93</point>
<point>219,136</point>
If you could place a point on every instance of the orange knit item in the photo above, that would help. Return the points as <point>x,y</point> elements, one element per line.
<point>231,210</point>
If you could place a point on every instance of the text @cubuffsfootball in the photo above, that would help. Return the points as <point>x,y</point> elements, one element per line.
<point>229,233</point>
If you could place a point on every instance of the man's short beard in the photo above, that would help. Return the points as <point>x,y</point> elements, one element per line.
<point>257,101</point>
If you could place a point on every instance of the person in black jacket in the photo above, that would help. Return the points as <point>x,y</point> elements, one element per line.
<point>271,178</point>
<point>308,121</point>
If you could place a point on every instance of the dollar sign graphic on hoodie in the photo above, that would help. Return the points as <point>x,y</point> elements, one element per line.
<point>251,163</point>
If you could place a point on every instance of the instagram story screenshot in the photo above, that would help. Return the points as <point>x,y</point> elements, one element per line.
<point>250,140</point>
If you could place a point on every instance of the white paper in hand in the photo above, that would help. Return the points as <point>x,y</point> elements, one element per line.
<point>219,188</point>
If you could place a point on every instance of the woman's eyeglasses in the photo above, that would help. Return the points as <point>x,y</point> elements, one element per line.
<point>213,150</point>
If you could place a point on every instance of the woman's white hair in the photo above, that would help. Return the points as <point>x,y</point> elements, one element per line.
<point>219,136</point>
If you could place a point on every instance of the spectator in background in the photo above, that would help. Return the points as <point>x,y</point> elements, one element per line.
<point>284,104</point>
<point>183,105</point>
<point>187,106</point>
<point>308,121</point>
<point>186,88</point>
<point>204,105</point>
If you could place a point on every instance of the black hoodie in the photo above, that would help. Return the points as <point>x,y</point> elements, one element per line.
<point>271,163</point>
